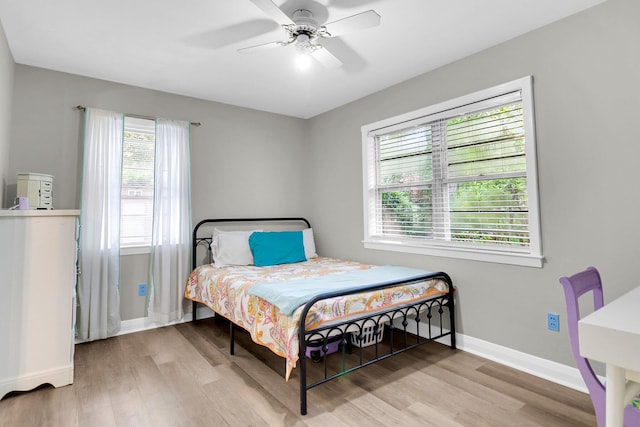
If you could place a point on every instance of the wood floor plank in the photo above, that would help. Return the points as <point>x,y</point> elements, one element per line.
<point>183,375</point>
<point>226,393</point>
<point>538,386</point>
<point>531,391</point>
<point>378,409</point>
<point>189,394</point>
<point>430,415</point>
<point>90,377</point>
<point>385,384</point>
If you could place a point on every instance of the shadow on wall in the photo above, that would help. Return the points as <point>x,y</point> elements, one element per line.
<point>10,192</point>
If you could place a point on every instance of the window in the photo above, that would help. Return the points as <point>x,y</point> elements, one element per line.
<point>456,179</point>
<point>136,210</point>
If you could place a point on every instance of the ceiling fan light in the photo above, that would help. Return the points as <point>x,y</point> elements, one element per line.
<point>303,61</point>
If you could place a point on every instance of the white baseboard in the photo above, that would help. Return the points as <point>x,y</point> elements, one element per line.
<point>144,323</point>
<point>543,368</point>
<point>57,377</point>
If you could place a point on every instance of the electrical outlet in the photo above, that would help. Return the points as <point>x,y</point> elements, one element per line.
<point>142,289</point>
<point>553,322</point>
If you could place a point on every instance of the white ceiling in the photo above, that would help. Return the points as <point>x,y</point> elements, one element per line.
<point>189,47</point>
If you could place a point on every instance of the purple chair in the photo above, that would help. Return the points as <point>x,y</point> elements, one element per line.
<point>574,287</point>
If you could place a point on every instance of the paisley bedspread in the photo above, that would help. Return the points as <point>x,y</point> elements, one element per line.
<point>225,291</point>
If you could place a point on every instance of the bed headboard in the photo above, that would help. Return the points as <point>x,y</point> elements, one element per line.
<point>203,231</point>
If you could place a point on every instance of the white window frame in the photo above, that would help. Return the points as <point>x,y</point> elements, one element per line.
<point>135,250</point>
<point>531,256</point>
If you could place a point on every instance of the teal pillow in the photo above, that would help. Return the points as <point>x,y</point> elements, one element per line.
<point>276,247</point>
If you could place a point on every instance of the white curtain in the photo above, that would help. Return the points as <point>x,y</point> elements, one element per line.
<point>99,250</point>
<point>171,238</point>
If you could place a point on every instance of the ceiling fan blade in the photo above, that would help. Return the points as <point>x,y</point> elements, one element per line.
<point>260,47</point>
<point>356,22</point>
<point>232,34</point>
<point>271,9</point>
<point>327,58</point>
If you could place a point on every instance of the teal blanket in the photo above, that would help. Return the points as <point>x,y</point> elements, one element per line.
<point>288,295</point>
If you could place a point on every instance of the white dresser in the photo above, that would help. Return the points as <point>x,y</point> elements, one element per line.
<point>37,298</point>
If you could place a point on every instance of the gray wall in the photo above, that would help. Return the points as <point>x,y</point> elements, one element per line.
<point>587,99</point>
<point>7,67</point>
<point>134,271</point>
<point>234,153</point>
<point>244,162</point>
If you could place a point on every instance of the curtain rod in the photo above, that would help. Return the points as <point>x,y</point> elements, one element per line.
<point>137,116</point>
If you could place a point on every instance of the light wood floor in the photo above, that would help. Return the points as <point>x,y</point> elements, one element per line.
<point>184,376</point>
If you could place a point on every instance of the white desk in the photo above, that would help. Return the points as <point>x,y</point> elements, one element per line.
<point>612,335</point>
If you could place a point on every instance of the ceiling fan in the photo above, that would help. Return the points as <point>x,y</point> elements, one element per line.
<point>303,31</point>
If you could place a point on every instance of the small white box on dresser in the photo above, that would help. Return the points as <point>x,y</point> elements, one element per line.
<point>38,188</point>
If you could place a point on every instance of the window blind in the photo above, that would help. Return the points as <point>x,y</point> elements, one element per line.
<point>455,176</point>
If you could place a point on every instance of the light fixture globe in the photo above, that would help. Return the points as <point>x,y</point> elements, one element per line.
<point>303,61</point>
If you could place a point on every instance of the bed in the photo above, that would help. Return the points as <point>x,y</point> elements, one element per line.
<point>264,276</point>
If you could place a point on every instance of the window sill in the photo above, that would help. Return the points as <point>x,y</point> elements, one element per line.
<point>135,250</point>
<point>501,257</point>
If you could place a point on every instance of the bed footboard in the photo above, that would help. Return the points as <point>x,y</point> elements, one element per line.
<point>403,326</point>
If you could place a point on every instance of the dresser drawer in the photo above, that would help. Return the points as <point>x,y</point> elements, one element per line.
<point>46,201</point>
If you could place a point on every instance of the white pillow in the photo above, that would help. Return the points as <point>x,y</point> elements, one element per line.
<point>309,243</point>
<point>231,247</point>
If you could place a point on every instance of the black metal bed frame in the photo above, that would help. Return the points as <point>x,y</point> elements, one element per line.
<point>359,328</point>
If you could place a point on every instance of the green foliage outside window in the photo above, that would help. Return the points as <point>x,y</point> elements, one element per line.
<point>138,151</point>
